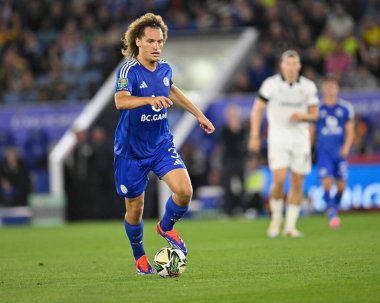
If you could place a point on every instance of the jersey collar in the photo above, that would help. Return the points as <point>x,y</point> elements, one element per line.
<point>290,83</point>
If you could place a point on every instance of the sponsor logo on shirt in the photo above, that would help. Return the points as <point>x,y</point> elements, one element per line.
<point>331,127</point>
<point>152,118</point>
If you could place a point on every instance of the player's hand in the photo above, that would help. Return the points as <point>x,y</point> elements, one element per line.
<point>160,102</point>
<point>344,152</point>
<point>297,117</point>
<point>254,144</point>
<point>206,125</point>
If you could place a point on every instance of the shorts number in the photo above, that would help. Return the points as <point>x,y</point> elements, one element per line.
<point>175,154</point>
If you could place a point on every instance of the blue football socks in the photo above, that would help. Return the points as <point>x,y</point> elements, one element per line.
<point>172,214</point>
<point>330,204</point>
<point>337,199</point>
<point>135,235</point>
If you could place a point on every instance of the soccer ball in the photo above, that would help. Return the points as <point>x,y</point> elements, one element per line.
<point>170,262</point>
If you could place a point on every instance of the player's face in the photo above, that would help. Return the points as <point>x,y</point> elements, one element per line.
<point>330,89</point>
<point>290,67</point>
<point>150,45</point>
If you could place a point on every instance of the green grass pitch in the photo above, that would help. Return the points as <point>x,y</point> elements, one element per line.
<point>228,261</point>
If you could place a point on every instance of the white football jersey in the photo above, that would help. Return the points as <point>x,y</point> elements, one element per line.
<point>285,99</point>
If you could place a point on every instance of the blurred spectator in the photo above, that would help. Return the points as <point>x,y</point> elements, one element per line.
<point>196,163</point>
<point>14,179</point>
<point>338,63</point>
<point>258,71</point>
<point>74,51</point>
<point>362,79</point>
<point>6,139</point>
<point>254,182</point>
<point>325,43</point>
<point>77,179</point>
<point>242,84</point>
<point>376,136</point>
<point>362,133</point>
<point>232,141</point>
<point>16,77</point>
<point>314,60</point>
<point>317,17</point>
<point>76,35</point>
<point>340,23</point>
<point>310,73</point>
<point>36,149</point>
<point>100,175</point>
<point>351,44</point>
<point>371,32</point>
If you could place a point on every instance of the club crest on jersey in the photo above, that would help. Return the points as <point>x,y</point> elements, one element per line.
<point>122,83</point>
<point>166,81</point>
<point>123,189</point>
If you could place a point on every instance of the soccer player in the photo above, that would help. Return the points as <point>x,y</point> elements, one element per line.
<point>335,135</point>
<point>292,103</point>
<point>143,141</point>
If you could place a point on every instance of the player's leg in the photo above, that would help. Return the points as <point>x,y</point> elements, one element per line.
<point>327,183</point>
<point>300,166</point>
<point>340,174</point>
<point>341,186</point>
<point>170,168</point>
<point>134,228</point>
<point>279,157</point>
<point>177,205</point>
<point>326,173</point>
<point>294,205</point>
<point>130,181</point>
<point>276,201</point>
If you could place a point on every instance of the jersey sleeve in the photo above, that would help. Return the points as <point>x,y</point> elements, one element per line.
<point>265,90</point>
<point>350,112</point>
<point>124,79</point>
<point>313,95</point>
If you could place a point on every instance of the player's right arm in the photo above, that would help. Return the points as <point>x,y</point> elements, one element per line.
<point>256,118</point>
<point>124,100</point>
<point>257,113</point>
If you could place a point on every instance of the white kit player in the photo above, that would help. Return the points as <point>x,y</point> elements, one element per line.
<point>292,102</point>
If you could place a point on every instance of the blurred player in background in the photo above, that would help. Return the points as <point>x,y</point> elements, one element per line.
<point>292,103</point>
<point>335,135</point>
<point>143,141</point>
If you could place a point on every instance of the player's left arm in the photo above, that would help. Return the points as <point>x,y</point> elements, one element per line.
<point>348,139</point>
<point>312,115</point>
<point>178,97</point>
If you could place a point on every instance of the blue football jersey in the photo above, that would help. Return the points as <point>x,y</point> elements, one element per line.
<point>144,131</point>
<point>331,129</point>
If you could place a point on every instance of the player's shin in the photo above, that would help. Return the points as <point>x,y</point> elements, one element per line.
<point>331,207</point>
<point>292,214</point>
<point>338,198</point>
<point>135,236</point>
<point>173,213</point>
<point>276,208</point>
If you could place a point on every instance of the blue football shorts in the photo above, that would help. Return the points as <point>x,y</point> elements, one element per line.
<point>330,165</point>
<point>131,175</point>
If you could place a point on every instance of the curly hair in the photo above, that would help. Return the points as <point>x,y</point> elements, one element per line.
<point>136,30</point>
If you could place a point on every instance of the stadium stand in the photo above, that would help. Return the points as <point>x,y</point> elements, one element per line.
<point>60,52</point>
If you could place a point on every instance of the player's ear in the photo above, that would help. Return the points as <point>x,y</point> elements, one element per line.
<point>138,42</point>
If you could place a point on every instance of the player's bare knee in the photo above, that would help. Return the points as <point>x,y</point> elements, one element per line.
<point>184,195</point>
<point>277,188</point>
<point>327,183</point>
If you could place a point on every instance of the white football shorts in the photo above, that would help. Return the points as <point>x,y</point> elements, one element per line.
<point>297,159</point>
